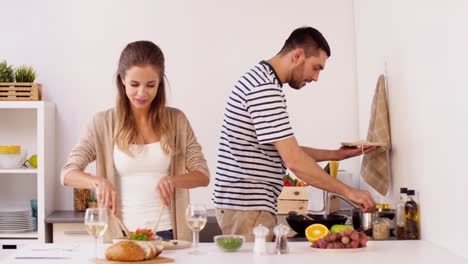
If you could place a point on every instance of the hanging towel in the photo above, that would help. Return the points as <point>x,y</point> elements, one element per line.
<point>374,167</point>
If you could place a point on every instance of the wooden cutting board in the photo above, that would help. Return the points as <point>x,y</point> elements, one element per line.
<point>150,261</point>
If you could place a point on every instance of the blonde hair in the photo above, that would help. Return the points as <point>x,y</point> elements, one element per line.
<point>141,53</point>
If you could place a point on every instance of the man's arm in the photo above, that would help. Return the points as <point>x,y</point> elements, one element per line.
<point>337,154</point>
<point>307,169</point>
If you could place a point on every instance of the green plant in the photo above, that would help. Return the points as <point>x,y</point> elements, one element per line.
<point>25,74</point>
<point>6,72</point>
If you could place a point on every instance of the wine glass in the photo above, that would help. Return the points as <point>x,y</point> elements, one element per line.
<point>195,215</point>
<point>96,224</point>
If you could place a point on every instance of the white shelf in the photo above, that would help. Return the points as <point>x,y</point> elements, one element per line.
<point>19,235</point>
<point>18,171</point>
<point>31,124</point>
<point>21,104</point>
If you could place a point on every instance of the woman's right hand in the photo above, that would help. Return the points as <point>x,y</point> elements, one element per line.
<point>106,194</point>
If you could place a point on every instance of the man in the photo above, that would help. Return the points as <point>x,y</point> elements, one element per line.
<point>257,142</point>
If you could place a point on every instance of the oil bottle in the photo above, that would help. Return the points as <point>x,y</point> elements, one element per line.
<point>400,214</point>
<point>411,217</point>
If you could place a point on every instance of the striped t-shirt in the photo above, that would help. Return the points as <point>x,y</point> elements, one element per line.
<point>249,170</point>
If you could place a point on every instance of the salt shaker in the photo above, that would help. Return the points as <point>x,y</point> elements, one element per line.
<point>281,231</point>
<point>260,232</point>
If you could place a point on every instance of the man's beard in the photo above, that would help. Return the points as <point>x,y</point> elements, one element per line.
<point>296,77</point>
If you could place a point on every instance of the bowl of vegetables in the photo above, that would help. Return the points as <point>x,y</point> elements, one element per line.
<point>229,243</point>
<point>143,237</point>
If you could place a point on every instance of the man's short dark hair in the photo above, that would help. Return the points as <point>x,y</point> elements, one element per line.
<point>307,38</point>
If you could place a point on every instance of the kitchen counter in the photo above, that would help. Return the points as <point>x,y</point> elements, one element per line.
<point>382,252</point>
<point>70,217</point>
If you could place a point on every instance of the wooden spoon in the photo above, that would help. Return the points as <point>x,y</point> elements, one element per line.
<point>157,223</point>
<point>122,226</point>
<point>308,217</point>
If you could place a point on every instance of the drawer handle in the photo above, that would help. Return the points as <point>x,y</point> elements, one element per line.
<point>75,232</point>
<point>296,193</point>
<point>300,207</point>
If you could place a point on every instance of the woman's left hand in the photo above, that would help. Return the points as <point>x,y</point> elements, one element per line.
<point>165,189</point>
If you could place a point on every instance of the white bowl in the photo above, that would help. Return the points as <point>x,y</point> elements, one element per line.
<point>12,161</point>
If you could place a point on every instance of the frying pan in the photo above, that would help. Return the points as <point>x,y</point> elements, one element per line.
<point>299,223</point>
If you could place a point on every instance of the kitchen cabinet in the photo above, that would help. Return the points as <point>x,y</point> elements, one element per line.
<point>30,124</point>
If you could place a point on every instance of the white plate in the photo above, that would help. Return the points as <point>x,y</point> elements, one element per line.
<point>339,250</point>
<point>364,143</point>
<point>13,225</point>
<point>9,214</point>
<point>176,244</point>
<point>18,230</point>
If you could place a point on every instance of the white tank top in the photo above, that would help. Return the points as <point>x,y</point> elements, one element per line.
<point>139,204</point>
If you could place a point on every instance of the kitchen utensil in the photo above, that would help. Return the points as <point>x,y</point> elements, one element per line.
<point>155,229</point>
<point>127,232</point>
<point>299,223</point>
<point>361,220</point>
<point>308,217</point>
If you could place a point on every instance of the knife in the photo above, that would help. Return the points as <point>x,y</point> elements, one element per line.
<point>42,258</point>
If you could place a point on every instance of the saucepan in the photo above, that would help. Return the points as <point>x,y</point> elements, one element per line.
<point>299,222</point>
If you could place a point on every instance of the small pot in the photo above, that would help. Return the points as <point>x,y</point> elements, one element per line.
<point>362,221</point>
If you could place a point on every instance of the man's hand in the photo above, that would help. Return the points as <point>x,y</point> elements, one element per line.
<point>361,198</point>
<point>349,152</point>
<point>106,194</point>
<point>165,189</point>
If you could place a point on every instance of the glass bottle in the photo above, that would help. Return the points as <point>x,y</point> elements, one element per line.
<point>411,217</point>
<point>400,214</point>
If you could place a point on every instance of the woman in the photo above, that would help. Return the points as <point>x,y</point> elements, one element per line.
<point>147,156</point>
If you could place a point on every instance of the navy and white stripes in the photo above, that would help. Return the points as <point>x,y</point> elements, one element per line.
<point>249,169</point>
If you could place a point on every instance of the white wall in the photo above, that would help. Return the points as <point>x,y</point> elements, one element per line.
<point>424,45</point>
<point>75,45</point>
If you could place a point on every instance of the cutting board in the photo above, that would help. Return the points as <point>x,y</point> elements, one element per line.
<point>150,261</point>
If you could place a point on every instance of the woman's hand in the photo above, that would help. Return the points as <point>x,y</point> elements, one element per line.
<point>165,188</point>
<point>106,194</point>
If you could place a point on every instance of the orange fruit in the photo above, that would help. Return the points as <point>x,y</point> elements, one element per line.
<point>315,232</point>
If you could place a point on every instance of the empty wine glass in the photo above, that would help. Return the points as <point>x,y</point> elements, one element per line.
<point>96,224</point>
<point>195,215</point>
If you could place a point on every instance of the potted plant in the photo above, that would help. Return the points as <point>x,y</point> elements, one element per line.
<point>6,72</point>
<point>92,203</point>
<point>25,74</point>
<point>18,84</point>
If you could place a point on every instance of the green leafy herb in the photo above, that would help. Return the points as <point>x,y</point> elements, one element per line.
<point>229,243</point>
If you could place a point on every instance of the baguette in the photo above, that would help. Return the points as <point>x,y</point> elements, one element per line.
<point>133,251</point>
<point>125,251</point>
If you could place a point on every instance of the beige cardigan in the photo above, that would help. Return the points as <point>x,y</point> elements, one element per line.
<point>98,144</point>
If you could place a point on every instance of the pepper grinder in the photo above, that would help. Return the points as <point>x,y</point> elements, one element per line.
<point>281,232</point>
<point>260,232</point>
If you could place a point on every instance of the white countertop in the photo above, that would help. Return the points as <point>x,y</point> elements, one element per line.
<point>377,252</point>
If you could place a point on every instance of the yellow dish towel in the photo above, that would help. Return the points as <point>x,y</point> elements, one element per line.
<point>374,167</point>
